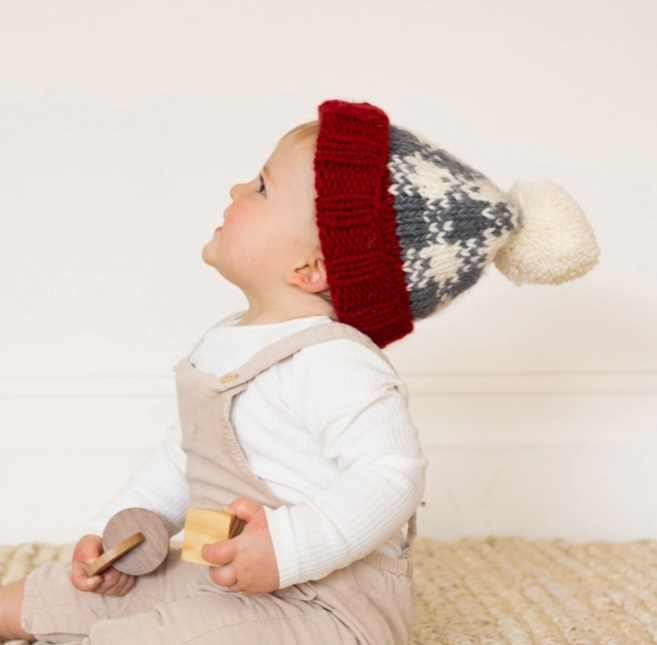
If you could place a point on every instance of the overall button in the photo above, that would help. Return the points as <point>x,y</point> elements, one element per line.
<point>228,377</point>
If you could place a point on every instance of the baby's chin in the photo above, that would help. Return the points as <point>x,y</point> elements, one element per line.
<point>205,254</point>
<point>209,255</point>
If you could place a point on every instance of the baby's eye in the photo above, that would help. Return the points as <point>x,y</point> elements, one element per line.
<point>262,190</point>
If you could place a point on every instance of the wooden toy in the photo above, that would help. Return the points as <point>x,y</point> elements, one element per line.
<point>135,541</point>
<point>206,526</point>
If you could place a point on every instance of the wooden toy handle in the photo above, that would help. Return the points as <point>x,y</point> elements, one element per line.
<point>108,558</point>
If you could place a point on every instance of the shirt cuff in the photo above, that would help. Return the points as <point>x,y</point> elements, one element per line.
<point>282,537</point>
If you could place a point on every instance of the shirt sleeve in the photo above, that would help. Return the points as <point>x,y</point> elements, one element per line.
<point>159,486</point>
<point>356,407</point>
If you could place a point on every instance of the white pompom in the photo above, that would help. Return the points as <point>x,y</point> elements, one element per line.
<point>554,243</point>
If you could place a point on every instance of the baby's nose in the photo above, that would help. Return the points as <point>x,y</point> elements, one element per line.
<point>235,191</point>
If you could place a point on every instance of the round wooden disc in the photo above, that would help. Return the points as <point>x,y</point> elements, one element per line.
<point>148,555</point>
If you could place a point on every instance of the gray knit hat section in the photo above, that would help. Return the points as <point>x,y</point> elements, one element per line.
<point>451,220</point>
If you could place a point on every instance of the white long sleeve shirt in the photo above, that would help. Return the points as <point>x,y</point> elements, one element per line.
<point>328,430</point>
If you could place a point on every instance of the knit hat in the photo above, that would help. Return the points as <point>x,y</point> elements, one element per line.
<point>405,227</point>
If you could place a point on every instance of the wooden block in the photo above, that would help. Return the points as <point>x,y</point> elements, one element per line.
<point>106,560</point>
<point>207,526</point>
<point>127,555</point>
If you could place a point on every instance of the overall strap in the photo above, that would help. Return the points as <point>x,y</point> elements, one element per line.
<point>288,346</point>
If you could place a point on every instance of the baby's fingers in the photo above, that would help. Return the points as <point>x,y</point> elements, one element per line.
<point>224,576</point>
<point>116,585</point>
<point>88,548</point>
<point>111,580</point>
<point>221,552</point>
<point>81,581</point>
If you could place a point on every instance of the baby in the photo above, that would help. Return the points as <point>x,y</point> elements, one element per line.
<point>291,417</point>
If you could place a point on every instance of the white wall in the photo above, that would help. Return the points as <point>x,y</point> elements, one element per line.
<point>122,126</point>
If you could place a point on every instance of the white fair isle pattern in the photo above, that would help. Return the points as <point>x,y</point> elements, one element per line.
<point>451,221</point>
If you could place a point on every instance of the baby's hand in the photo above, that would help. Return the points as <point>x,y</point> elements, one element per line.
<point>249,563</point>
<point>110,582</point>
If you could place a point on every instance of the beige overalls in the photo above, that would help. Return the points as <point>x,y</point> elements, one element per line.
<point>370,601</point>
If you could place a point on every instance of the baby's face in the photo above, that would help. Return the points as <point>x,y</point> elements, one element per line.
<point>270,224</point>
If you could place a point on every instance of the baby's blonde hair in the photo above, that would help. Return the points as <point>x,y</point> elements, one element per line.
<point>305,131</point>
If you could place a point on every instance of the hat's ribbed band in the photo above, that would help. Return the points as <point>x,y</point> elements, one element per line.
<point>357,221</point>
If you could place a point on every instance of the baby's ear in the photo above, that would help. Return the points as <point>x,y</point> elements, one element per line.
<point>311,277</point>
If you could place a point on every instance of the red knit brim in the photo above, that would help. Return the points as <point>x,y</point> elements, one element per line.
<point>357,221</point>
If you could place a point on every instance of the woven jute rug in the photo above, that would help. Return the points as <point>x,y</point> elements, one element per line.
<point>501,590</point>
